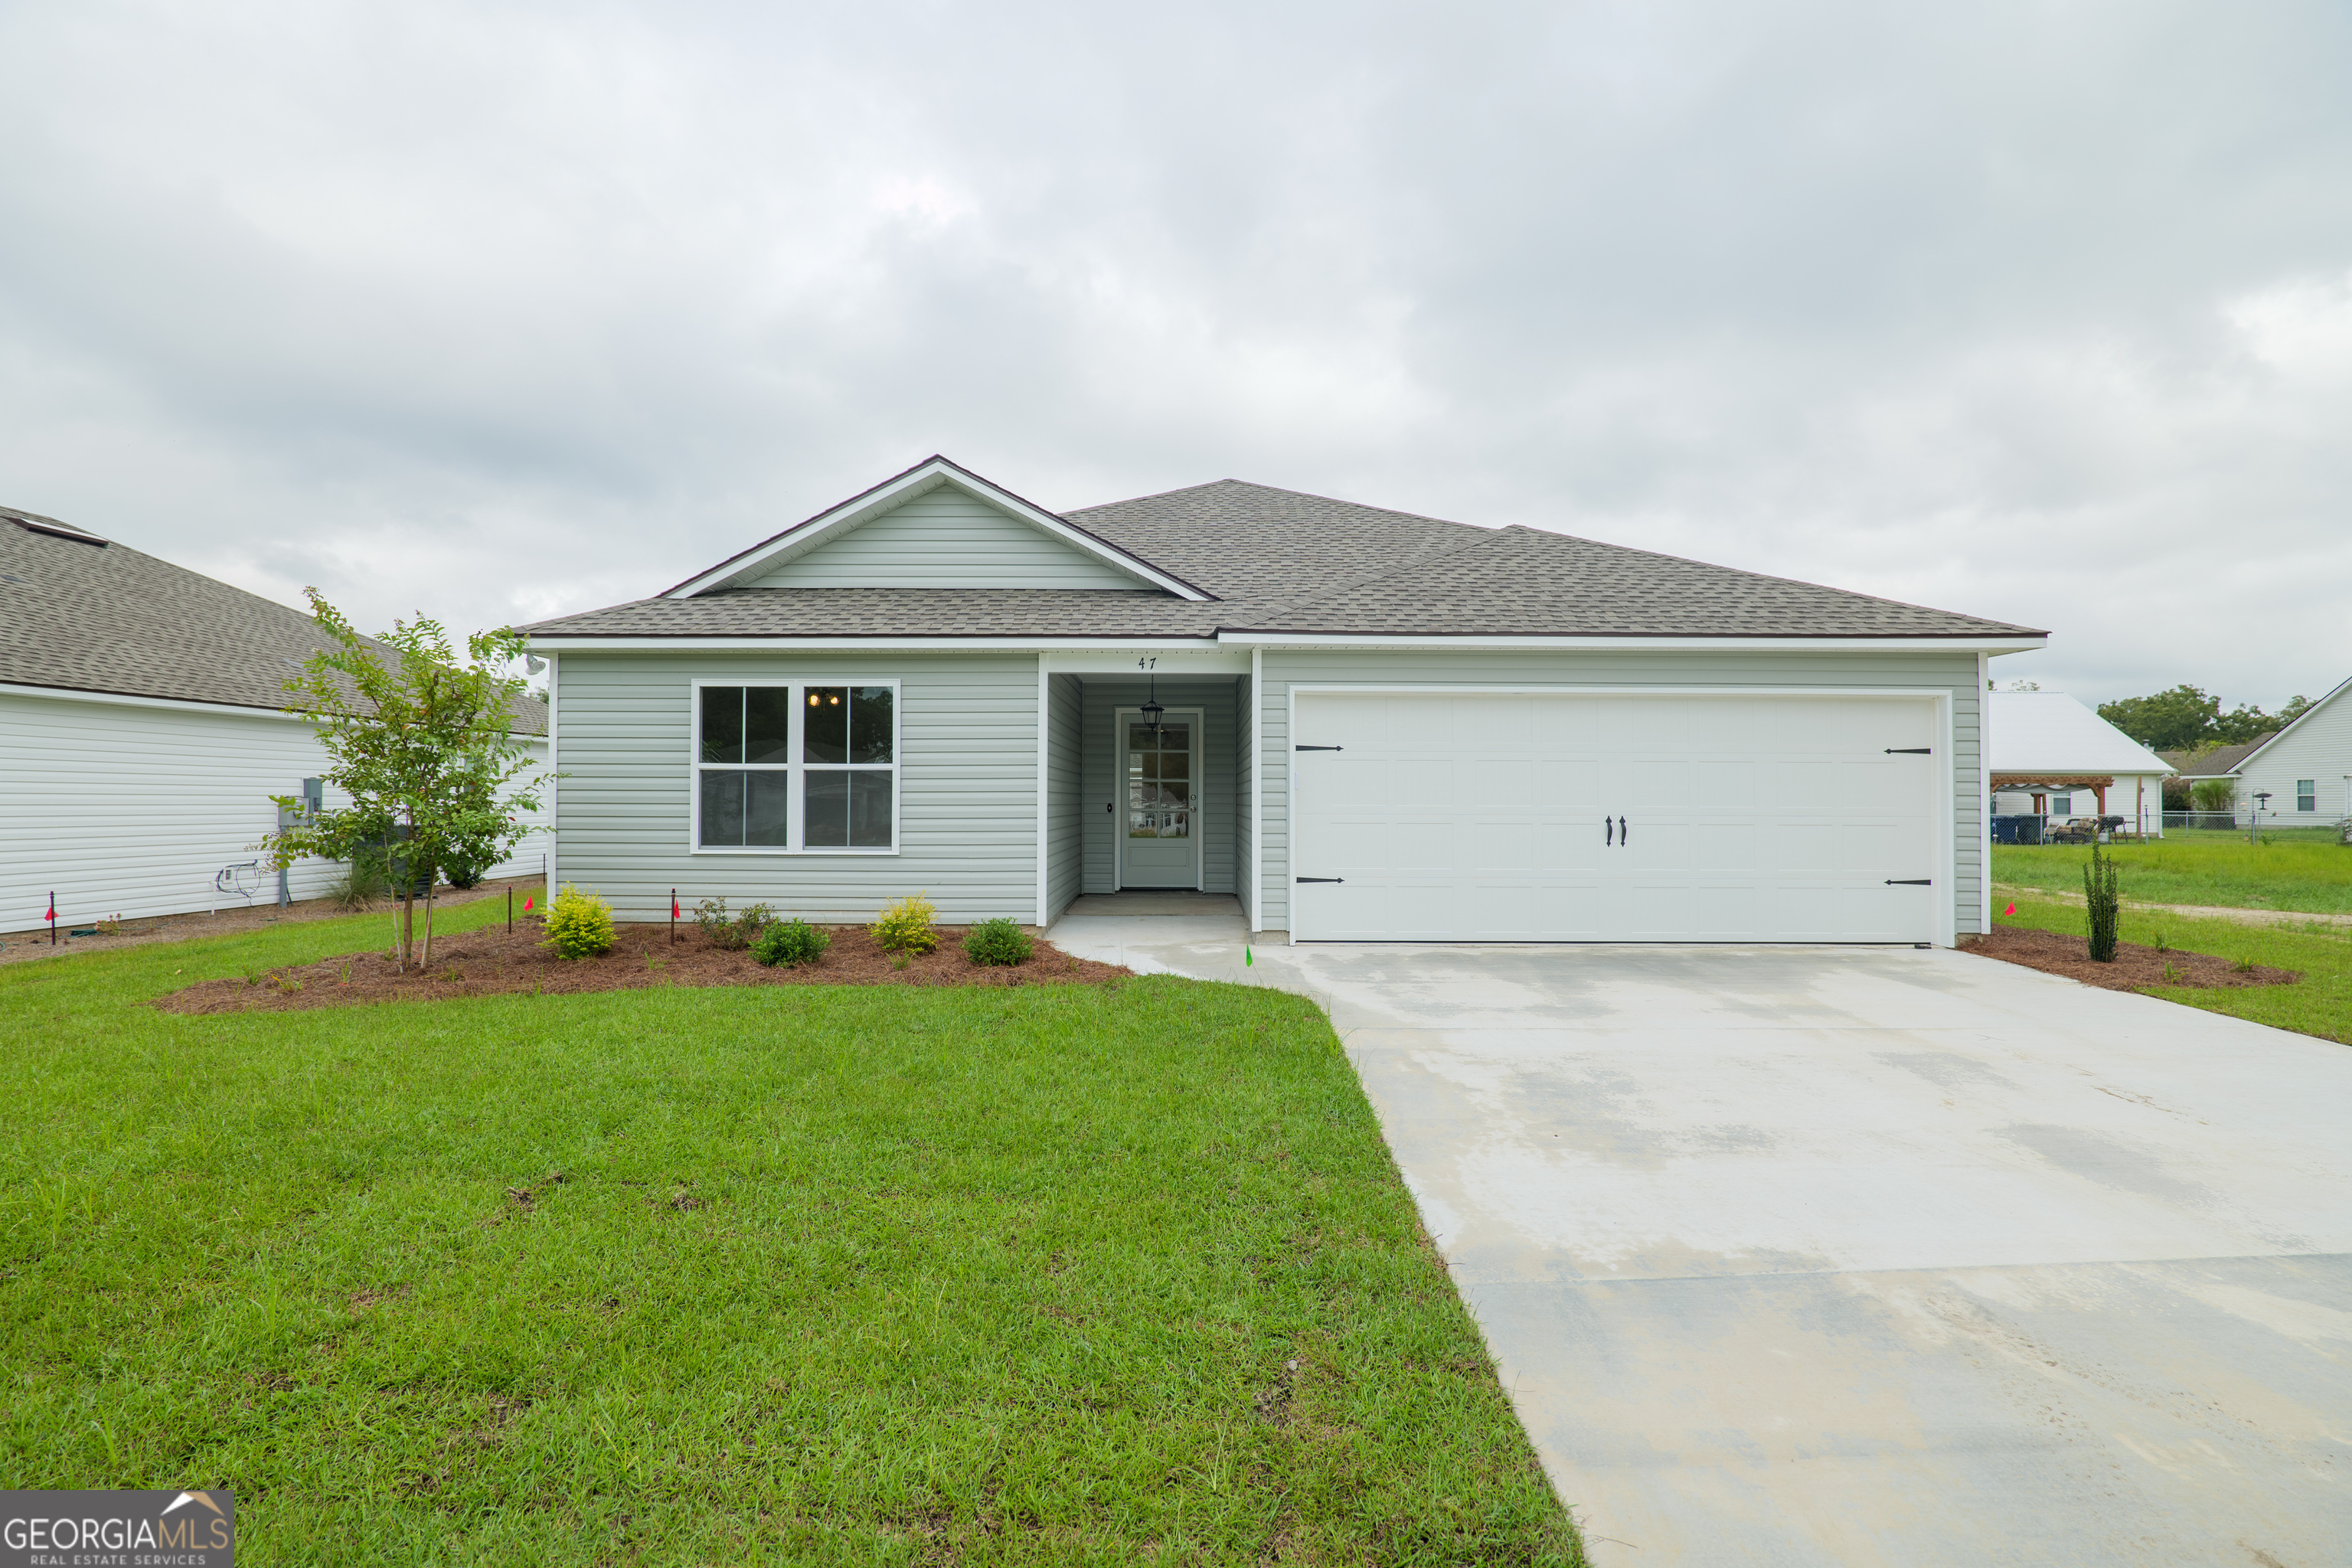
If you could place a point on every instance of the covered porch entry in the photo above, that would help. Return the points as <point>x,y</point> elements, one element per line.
<point>1141,802</point>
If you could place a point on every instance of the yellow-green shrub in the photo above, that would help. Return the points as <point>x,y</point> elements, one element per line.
<point>906,926</point>
<point>579,925</point>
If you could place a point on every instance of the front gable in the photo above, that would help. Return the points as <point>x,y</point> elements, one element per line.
<point>936,526</point>
<point>944,537</point>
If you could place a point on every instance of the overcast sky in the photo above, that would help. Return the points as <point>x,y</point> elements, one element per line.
<point>498,310</point>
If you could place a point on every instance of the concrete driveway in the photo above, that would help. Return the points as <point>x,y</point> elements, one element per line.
<point>1868,1256</point>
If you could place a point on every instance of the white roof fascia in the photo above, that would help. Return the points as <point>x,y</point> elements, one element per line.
<point>881,642</point>
<point>925,477</point>
<point>2341,687</point>
<point>1962,644</point>
<point>127,700</point>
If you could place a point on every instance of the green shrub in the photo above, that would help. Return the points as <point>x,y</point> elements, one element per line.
<point>579,925</point>
<point>733,933</point>
<point>996,942</point>
<point>791,944</point>
<point>360,885</point>
<point>2104,902</point>
<point>2214,795</point>
<point>906,926</point>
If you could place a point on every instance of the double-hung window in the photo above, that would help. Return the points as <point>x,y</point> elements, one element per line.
<point>2306,794</point>
<point>796,767</point>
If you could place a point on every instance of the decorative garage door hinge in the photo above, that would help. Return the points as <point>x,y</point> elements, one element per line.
<point>1318,748</point>
<point>1322,879</point>
<point>1910,882</point>
<point>1910,750</point>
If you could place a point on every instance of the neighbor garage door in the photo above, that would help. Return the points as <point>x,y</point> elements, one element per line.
<point>1542,816</point>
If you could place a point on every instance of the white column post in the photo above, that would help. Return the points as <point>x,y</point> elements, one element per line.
<point>1257,786</point>
<point>1045,828</point>
<point>554,784</point>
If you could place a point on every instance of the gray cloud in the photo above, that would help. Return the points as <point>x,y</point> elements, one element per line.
<point>2036,311</point>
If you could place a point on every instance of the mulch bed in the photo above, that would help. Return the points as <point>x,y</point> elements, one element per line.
<point>495,961</point>
<point>2134,967</point>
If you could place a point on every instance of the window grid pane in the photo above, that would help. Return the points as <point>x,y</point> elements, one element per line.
<point>843,806</point>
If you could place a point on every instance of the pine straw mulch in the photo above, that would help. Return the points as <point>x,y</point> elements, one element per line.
<point>495,961</point>
<point>2134,967</point>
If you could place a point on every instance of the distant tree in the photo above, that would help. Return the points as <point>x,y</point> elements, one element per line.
<point>423,745</point>
<point>2174,721</point>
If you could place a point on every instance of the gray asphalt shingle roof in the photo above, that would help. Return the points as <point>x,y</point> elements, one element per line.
<point>87,615</point>
<point>1280,560</point>
<point>2217,761</point>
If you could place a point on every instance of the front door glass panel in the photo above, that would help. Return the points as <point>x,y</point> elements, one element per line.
<point>1159,782</point>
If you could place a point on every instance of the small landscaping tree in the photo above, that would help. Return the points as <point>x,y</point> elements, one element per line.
<point>2105,902</point>
<point>423,745</point>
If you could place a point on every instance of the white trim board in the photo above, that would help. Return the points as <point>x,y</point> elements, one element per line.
<point>174,704</point>
<point>1044,747</point>
<point>1341,642</point>
<point>923,477</point>
<point>1112,647</point>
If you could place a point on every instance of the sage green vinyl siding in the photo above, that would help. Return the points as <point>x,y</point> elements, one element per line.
<point>945,539</point>
<point>1217,698</point>
<point>1956,672</point>
<point>967,780</point>
<point>1064,794</point>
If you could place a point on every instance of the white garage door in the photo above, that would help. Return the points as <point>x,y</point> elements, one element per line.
<point>1524,816</point>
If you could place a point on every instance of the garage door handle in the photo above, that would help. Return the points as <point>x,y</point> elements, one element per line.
<point>1910,750</point>
<point>1910,882</point>
<point>1318,748</point>
<point>1322,879</point>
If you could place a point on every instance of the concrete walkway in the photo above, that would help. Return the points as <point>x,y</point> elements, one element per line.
<point>1867,1256</point>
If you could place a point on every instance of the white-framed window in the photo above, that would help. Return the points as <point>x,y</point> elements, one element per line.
<point>2306,794</point>
<point>797,767</point>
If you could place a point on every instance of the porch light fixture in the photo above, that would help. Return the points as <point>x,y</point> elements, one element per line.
<point>1152,711</point>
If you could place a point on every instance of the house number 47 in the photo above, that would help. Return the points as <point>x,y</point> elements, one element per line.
<point>1146,664</point>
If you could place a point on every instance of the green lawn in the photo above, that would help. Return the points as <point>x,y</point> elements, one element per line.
<point>857,1276</point>
<point>2321,1003</point>
<point>2311,873</point>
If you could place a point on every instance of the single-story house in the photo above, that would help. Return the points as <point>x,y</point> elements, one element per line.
<point>1364,724</point>
<point>2053,757</point>
<point>141,736</point>
<point>2191,768</point>
<point>2305,768</point>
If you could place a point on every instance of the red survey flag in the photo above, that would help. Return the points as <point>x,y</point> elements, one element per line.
<point>53,912</point>
<point>2011,910</point>
<point>673,909</point>
<point>526,906</point>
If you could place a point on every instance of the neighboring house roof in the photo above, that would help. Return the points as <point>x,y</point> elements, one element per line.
<point>1279,561</point>
<point>2217,762</point>
<point>2041,732</point>
<point>81,613</point>
<point>2307,716</point>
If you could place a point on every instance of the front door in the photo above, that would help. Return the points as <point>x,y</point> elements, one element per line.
<point>1160,773</point>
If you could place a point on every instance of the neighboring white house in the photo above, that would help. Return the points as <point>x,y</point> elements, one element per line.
<point>2050,755</point>
<point>2306,768</point>
<point>140,733</point>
